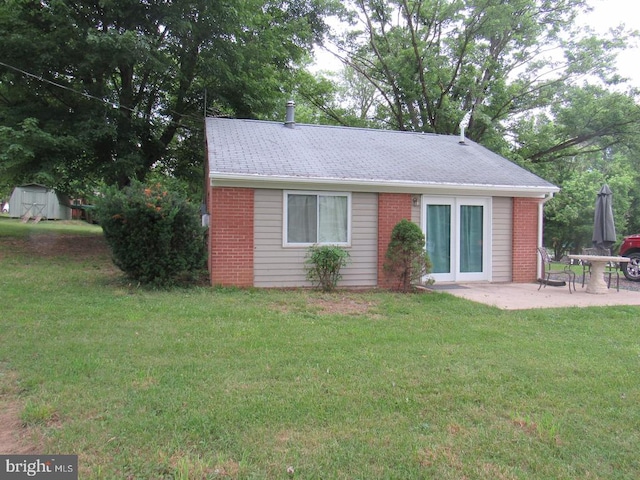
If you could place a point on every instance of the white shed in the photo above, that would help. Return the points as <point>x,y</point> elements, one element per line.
<point>33,200</point>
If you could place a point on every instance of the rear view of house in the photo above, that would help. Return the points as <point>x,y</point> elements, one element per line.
<point>275,189</point>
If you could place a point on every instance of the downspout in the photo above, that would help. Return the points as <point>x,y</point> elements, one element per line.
<point>547,197</point>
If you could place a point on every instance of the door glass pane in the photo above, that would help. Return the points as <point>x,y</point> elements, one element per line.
<point>439,237</point>
<point>471,238</point>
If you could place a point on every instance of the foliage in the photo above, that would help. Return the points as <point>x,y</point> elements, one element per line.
<point>108,90</point>
<point>323,264</point>
<point>583,121</point>
<point>155,235</point>
<point>407,260</point>
<point>503,62</point>
<point>568,223</point>
<point>336,98</point>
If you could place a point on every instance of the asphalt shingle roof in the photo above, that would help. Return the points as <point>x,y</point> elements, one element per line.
<point>255,148</point>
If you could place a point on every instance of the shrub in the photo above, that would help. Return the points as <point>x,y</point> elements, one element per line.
<point>407,260</point>
<point>155,235</point>
<point>323,265</point>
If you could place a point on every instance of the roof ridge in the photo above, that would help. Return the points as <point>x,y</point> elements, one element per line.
<point>341,127</point>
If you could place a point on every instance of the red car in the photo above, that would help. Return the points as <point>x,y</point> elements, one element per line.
<point>631,248</point>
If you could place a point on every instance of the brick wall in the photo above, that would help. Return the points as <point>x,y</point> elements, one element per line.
<point>231,236</point>
<point>525,239</point>
<point>392,207</point>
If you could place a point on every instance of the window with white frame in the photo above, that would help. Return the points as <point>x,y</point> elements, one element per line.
<point>317,218</point>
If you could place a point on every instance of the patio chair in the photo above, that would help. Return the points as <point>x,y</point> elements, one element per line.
<point>610,270</point>
<point>550,271</point>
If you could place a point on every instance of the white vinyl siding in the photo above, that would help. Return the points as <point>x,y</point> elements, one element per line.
<point>279,266</point>
<point>502,245</point>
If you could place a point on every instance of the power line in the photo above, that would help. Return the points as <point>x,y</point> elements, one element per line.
<point>89,96</point>
<point>84,94</point>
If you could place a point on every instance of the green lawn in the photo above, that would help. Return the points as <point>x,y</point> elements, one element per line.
<point>223,383</point>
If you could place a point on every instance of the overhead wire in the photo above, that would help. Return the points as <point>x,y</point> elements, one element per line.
<point>115,105</point>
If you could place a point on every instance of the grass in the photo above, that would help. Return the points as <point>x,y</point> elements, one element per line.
<point>15,228</point>
<point>225,383</point>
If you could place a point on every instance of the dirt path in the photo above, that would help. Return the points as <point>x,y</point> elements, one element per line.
<point>15,439</point>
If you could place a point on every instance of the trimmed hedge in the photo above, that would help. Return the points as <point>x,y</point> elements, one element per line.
<point>155,235</point>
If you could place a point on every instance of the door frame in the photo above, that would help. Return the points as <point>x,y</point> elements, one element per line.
<point>456,202</point>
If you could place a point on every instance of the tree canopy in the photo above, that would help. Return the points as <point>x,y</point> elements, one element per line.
<point>110,90</point>
<point>431,62</point>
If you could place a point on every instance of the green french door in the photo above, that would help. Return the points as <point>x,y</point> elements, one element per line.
<point>458,237</point>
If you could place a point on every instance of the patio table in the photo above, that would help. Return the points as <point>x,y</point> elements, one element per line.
<point>598,262</point>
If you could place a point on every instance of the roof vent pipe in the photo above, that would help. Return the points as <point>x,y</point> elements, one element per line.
<point>463,124</point>
<point>290,117</point>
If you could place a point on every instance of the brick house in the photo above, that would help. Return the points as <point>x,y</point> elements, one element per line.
<point>274,189</point>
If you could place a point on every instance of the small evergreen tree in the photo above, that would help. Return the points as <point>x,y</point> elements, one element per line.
<point>407,260</point>
<point>155,235</point>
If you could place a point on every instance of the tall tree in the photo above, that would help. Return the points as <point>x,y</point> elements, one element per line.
<point>111,89</point>
<point>569,215</point>
<point>432,61</point>
<point>336,98</point>
<point>589,138</point>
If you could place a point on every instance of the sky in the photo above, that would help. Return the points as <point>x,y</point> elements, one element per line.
<point>606,14</point>
<point>611,13</point>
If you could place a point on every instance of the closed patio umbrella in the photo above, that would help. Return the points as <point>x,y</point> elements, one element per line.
<point>604,229</point>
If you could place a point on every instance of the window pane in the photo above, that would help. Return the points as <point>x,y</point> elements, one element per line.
<point>333,219</point>
<point>302,219</point>
<point>439,237</point>
<point>470,238</point>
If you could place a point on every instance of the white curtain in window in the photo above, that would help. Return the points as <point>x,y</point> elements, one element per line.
<point>333,213</point>
<point>302,221</point>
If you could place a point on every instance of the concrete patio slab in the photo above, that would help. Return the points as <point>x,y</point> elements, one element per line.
<point>524,296</point>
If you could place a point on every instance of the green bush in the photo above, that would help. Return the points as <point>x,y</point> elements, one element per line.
<point>407,260</point>
<point>155,235</point>
<point>323,264</point>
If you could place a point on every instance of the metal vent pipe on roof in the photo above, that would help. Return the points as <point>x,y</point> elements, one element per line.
<point>290,117</point>
<point>463,124</point>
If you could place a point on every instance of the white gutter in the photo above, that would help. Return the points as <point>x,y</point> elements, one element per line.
<point>547,197</point>
<point>264,181</point>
